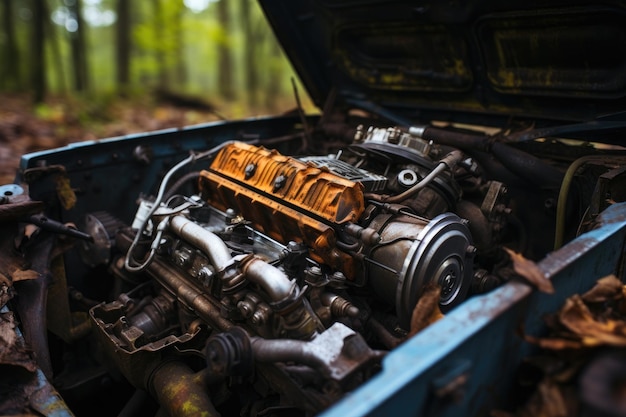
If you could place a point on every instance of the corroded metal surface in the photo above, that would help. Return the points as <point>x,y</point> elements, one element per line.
<point>285,198</point>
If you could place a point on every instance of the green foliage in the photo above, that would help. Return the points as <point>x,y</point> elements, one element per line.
<point>172,47</point>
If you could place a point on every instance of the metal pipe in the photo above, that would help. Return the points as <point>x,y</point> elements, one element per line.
<point>273,281</point>
<point>286,350</point>
<point>129,260</point>
<point>207,309</point>
<point>209,243</point>
<point>182,392</point>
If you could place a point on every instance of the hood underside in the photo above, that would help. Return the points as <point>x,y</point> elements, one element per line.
<point>559,61</point>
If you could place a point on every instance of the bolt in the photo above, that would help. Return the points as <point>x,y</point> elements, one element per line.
<point>358,136</point>
<point>393,135</point>
<point>257,318</point>
<point>245,308</point>
<point>447,285</point>
<point>279,182</point>
<point>249,170</point>
<point>549,203</point>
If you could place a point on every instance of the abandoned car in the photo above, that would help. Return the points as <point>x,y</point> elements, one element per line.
<point>295,265</point>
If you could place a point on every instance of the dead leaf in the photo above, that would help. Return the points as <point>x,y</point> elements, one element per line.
<point>12,349</point>
<point>577,317</point>
<point>66,194</point>
<point>24,275</point>
<point>427,309</point>
<point>30,230</point>
<point>529,270</point>
<point>554,343</point>
<point>553,401</point>
<point>607,288</point>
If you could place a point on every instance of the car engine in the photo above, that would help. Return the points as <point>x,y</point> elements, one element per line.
<point>271,275</point>
<point>279,282</point>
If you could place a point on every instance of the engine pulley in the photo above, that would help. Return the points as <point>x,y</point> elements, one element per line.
<point>414,252</point>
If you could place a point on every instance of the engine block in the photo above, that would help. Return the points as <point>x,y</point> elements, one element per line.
<point>286,199</point>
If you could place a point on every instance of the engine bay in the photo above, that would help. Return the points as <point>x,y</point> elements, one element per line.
<point>305,265</point>
<point>256,282</point>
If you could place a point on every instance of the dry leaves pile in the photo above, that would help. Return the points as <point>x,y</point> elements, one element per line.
<point>583,334</point>
<point>63,120</point>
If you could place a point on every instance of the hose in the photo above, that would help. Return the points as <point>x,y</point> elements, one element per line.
<point>564,192</point>
<point>447,162</point>
<point>180,182</point>
<point>517,161</point>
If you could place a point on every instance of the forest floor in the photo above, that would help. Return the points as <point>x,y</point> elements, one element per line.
<point>25,128</point>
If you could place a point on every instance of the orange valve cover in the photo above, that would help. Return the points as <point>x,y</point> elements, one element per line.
<point>287,199</point>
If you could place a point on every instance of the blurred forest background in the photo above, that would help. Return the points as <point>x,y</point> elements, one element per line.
<point>73,70</point>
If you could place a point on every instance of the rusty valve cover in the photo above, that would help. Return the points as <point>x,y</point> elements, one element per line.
<point>285,198</point>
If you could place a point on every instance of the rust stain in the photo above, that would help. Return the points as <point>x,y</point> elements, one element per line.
<point>279,210</point>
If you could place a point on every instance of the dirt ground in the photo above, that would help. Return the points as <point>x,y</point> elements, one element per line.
<point>25,128</point>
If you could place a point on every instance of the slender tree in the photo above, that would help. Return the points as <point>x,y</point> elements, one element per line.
<point>179,44</point>
<point>79,48</point>
<point>11,67</point>
<point>160,50</point>
<point>224,52</point>
<point>38,68</point>
<point>274,75</point>
<point>249,58</point>
<point>123,43</point>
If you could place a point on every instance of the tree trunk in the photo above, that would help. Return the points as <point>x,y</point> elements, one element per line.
<point>251,77</point>
<point>11,71</point>
<point>225,56</point>
<point>38,69</point>
<point>55,48</point>
<point>123,44</point>
<point>274,79</point>
<point>79,49</point>
<point>159,32</point>
<point>179,38</point>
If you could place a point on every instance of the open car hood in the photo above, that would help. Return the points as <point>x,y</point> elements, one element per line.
<point>550,61</point>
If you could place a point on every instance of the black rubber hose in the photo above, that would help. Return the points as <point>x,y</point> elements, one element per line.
<point>517,161</point>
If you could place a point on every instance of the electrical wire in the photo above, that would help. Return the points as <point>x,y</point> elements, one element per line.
<point>129,260</point>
